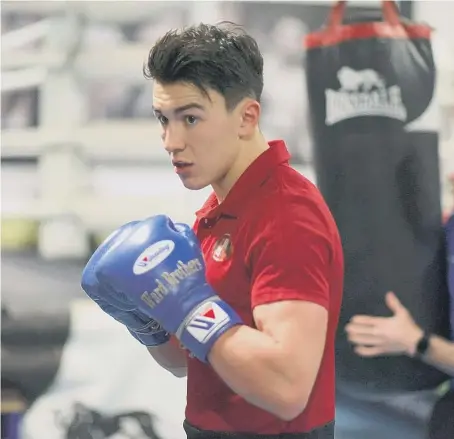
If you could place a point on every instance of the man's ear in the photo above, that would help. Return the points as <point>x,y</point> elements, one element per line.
<point>249,113</point>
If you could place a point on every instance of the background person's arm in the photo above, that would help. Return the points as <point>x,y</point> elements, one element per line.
<point>399,334</point>
<point>440,354</point>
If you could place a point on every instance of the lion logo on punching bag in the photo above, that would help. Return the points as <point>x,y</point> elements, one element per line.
<point>351,80</point>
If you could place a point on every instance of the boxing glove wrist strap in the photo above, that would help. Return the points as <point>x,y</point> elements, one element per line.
<point>205,324</point>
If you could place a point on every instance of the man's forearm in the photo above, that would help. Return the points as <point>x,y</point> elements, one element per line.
<point>255,367</point>
<point>440,354</point>
<point>171,357</point>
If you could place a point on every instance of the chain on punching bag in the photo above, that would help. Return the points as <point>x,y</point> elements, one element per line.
<point>370,84</point>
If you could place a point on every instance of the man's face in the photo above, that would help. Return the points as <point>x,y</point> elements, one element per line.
<point>200,135</point>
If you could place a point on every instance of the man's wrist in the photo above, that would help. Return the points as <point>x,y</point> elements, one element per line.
<point>423,346</point>
<point>413,338</point>
<point>207,322</point>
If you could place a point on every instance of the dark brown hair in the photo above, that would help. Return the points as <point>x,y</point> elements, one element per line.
<point>219,57</point>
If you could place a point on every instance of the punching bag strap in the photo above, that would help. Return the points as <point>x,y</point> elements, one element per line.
<point>335,31</point>
<point>389,9</point>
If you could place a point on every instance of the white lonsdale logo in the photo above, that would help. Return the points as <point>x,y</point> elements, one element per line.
<point>153,256</point>
<point>363,93</point>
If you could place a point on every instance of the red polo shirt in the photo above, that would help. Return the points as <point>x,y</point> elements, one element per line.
<point>273,238</point>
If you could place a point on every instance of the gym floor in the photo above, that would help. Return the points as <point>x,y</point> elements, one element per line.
<point>56,283</point>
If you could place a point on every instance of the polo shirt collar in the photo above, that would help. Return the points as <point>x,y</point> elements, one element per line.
<point>245,187</point>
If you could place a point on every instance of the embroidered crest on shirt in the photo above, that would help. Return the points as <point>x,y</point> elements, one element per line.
<point>223,248</point>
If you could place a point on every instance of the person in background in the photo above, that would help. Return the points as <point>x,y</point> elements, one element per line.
<point>401,335</point>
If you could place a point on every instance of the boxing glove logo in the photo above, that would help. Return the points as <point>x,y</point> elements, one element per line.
<point>152,256</point>
<point>206,320</point>
<point>169,280</point>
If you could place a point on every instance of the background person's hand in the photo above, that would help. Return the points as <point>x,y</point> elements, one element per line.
<point>373,336</point>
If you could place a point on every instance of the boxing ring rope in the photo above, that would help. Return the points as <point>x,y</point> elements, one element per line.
<point>25,35</point>
<point>88,65</point>
<point>132,11</point>
<point>26,78</point>
<point>102,140</point>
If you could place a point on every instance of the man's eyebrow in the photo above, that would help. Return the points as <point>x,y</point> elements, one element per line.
<point>181,109</point>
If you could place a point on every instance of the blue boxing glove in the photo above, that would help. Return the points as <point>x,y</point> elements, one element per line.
<point>158,270</point>
<point>142,328</point>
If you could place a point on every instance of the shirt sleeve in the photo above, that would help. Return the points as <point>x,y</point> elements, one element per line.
<point>291,258</point>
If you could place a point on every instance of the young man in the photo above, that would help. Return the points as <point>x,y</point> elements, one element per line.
<point>253,295</point>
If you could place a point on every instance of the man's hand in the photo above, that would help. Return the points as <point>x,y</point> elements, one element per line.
<point>373,336</point>
<point>141,327</point>
<point>157,269</point>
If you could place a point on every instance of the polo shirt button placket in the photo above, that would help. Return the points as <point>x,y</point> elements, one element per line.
<point>208,223</point>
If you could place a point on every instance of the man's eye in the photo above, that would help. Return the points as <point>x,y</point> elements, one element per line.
<point>191,120</point>
<point>162,120</point>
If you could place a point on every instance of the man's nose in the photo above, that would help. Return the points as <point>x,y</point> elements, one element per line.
<point>173,140</point>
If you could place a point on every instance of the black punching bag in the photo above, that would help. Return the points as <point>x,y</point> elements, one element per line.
<point>370,86</point>
<point>450,245</point>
